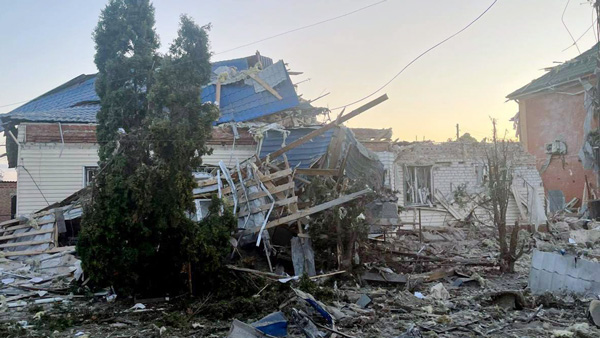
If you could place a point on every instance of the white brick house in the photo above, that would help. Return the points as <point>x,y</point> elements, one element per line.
<point>428,176</point>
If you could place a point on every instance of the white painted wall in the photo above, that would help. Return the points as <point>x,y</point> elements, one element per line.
<point>58,170</point>
<point>225,154</point>
<point>57,175</point>
<point>388,158</point>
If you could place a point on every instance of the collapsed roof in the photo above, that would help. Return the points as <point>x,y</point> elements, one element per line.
<point>251,87</point>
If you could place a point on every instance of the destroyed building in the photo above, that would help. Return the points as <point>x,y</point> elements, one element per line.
<point>442,181</point>
<point>555,123</point>
<point>379,141</point>
<point>52,143</point>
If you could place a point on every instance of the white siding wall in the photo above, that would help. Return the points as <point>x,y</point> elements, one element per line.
<point>224,153</point>
<point>60,175</point>
<point>388,158</point>
<point>57,175</point>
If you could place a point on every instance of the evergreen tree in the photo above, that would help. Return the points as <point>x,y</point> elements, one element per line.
<point>136,234</point>
<point>114,243</point>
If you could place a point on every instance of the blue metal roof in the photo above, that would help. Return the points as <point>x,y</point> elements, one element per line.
<point>76,101</point>
<point>240,102</point>
<point>304,155</point>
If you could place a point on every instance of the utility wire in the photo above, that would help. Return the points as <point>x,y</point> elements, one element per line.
<point>417,58</point>
<point>562,18</point>
<point>300,28</point>
<point>12,104</point>
<point>264,39</point>
<point>582,35</point>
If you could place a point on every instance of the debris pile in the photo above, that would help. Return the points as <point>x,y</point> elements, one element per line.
<point>35,267</point>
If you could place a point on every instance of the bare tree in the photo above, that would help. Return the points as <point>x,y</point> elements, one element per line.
<point>499,158</point>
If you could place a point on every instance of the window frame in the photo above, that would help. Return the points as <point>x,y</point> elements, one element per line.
<point>86,169</point>
<point>410,173</point>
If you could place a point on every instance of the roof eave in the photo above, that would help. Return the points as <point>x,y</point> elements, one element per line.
<point>513,96</point>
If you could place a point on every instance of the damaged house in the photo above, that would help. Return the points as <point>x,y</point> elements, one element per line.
<point>51,140</point>
<point>556,124</point>
<point>444,183</point>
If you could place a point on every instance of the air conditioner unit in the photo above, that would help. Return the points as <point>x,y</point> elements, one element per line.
<point>557,147</point>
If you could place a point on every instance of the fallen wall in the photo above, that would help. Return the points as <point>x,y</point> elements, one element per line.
<point>556,273</point>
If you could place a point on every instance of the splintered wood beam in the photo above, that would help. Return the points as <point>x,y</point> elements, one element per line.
<point>11,245</point>
<point>266,86</point>
<point>312,210</point>
<point>326,127</point>
<point>27,234</point>
<point>267,206</point>
<point>37,252</point>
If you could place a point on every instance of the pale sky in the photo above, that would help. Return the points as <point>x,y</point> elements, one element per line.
<point>465,81</point>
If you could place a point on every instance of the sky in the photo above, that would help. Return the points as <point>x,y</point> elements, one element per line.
<point>464,81</point>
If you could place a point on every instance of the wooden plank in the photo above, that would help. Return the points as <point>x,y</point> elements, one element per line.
<point>275,190</point>
<point>9,222</point>
<point>16,227</point>
<point>317,172</point>
<point>270,177</point>
<point>265,86</point>
<point>455,213</point>
<point>207,182</point>
<point>267,206</point>
<point>11,245</point>
<point>37,252</point>
<point>27,234</point>
<point>326,127</point>
<point>312,210</point>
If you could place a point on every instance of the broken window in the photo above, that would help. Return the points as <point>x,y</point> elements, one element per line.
<point>88,175</point>
<point>481,170</point>
<point>418,185</point>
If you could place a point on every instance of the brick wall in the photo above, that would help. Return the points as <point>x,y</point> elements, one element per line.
<point>550,117</point>
<point>7,190</point>
<point>51,133</point>
<point>86,133</point>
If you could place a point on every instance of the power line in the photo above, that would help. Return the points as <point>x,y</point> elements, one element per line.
<point>562,18</point>
<point>264,39</point>
<point>12,104</point>
<point>301,28</point>
<point>582,35</point>
<point>417,58</point>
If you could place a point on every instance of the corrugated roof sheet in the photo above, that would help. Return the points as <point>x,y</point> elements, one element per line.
<point>63,103</point>
<point>240,101</point>
<point>361,163</point>
<point>304,155</point>
<point>77,101</point>
<point>569,71</point>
